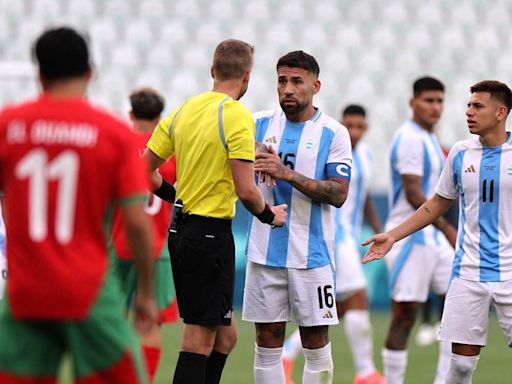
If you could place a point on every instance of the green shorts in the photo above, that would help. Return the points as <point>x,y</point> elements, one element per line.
<point>164,285</point>
<point>102,347</point>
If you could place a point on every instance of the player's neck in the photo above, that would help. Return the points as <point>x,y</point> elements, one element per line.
<point>494,138</point>
<point>232,88</point>
<point>304,115</point>
<point>144,126</point>
<point>67,89</point>
<point>427,127</point>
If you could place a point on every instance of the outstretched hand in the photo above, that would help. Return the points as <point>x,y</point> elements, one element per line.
<point>381,243</point>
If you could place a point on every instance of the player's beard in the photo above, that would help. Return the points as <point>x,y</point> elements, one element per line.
<point>293,110</point>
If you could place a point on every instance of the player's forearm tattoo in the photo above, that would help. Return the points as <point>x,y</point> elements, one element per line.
<point>426,209</point>
<point>325,191</point>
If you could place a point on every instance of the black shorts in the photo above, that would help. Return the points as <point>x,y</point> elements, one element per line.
<point>203,265</point>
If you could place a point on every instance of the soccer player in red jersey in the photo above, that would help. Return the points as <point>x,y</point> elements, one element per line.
<point>147,106</point>
<point>63,165</point>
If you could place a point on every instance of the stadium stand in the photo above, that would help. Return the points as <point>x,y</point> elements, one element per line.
<point>369,50</point>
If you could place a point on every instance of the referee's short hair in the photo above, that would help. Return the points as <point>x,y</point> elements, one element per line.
<point>147,104</point>
<point>426,84</point>
<point>299,59</point>
<point>61,53</point>
<point>232,58</point>
<point>498,90</point>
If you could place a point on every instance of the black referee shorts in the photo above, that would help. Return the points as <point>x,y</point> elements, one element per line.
<point>203,266</point>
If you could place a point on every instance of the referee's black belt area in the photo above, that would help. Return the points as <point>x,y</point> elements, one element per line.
<point>208,223</point>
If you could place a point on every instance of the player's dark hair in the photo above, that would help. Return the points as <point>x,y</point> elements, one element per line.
<point>232,58</point>
<point>61,53</point>
<point>498,90</point>
<point>299,59</point>
<point>354,109</point>
<point>147,104</point>
<point>426,84</point>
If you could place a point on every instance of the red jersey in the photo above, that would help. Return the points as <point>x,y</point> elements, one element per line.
<point>157,209</point>
<point>63,163</point>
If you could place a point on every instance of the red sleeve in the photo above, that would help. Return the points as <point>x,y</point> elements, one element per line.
<point>168,170</point>
<point>132,177</point>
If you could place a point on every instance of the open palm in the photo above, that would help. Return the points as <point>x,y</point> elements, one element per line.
<point>381,243</point>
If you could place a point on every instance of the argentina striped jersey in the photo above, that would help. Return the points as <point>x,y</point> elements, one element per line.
<point>414,151</point>
<point>482,177</point>
<point>312,148</point>
<point>349,218</point>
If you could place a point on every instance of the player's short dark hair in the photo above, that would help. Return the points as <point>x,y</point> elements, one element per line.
<point>232,58</point>
<point>299,59</point>
<point>354,109</point>
<point>61,53</point>
<point>498,90</point>
<point>426,84</point>
<point>147,104</point>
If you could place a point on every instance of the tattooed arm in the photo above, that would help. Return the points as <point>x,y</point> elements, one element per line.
<point>332,191</point>
<point>429,211</point>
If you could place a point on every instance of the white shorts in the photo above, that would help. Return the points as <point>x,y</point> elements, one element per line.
<point>466,311</point>
<point>414,269</point>
<point>274,295</point>
<point>349,269</point>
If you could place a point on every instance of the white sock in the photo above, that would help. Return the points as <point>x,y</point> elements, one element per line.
<point>268,367</point>
<point>394,363</point>
<point>359,334</point>
<point>443,362</point>
<point>318,367</point>
<point>292,346</point>
<point>461,369</point>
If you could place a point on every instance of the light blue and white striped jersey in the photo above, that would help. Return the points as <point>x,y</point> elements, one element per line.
<point>414,151</point>
<point>349,218</point>
<point>318,148</point>
<point>482,177</point>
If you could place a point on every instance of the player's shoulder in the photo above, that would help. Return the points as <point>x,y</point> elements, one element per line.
<point>464,145</point>
<point>364,150</point>
<point>14,109</point>
<point>265,114</point>
<point>327,122</point>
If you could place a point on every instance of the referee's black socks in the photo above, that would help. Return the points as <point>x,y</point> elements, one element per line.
<point>190,369</point>
<point>214,367</point>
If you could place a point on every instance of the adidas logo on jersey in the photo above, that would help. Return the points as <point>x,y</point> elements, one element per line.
<point>272,140</point>
<point>328,315</point>
<point>470,169</point>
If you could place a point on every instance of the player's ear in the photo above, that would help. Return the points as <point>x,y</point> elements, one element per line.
<point>212,73</point>
<point>502,113</point>
<point>316,86</point>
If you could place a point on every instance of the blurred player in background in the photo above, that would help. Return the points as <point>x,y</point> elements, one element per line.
<point>212,136</point>
<point>63,164</point>
<point>3,257</point>
<point>351,298</point>
<point>421,261</point>
<point>147,106</point>
<point>478,170</point>
<point>290,270</point>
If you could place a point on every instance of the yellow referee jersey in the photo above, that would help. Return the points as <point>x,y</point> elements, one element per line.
<point>204,133</point>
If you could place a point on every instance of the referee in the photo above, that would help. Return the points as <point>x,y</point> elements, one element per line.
<point>212,137</point>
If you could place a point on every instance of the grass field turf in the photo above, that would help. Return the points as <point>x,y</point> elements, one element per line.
<point>494,365</point>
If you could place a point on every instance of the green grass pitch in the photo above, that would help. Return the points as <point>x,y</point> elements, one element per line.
<point>494,365</point>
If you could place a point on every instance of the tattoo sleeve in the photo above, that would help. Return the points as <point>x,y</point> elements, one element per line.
<point>324,191</point>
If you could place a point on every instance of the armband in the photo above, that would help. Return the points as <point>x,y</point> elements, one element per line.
<point>267,216</point>
<point>166,191</point>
